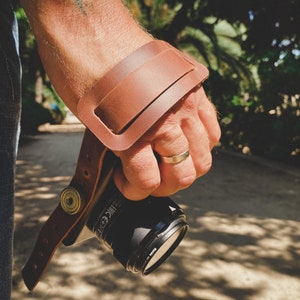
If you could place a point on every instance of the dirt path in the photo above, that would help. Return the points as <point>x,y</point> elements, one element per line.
<point>243,242</point>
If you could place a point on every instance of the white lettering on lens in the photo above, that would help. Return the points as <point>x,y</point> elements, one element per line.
<point>105,219</point>
<point>153,252</point>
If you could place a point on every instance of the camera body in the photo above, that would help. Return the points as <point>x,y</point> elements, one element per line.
<point>141,234</point>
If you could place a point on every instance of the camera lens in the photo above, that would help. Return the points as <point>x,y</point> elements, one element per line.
<point>142,234</point>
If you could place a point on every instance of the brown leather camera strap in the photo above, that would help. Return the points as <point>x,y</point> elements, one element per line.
<point>121,107</point>
<point>58,226</point>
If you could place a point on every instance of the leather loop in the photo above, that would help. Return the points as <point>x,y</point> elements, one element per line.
<point>120,71</point>
<point>107,112</point>
<point>147,118</point>
<point>116,113</point>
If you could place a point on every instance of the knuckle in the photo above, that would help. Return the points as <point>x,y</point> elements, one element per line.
<point>148,185</point>
<point>140,190</point>
<point>191,102</point>
<point>186,181</point>
<point>215,136</point>
<point>168,130</point>
<point>204,165</point>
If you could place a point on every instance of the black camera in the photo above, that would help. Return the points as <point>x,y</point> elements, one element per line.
<point>141,234</point>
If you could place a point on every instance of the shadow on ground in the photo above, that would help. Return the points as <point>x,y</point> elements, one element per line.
<point>243,242</point>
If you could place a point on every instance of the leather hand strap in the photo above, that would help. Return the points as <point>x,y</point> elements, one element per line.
<point>131,97</point>
<point>122,106</point>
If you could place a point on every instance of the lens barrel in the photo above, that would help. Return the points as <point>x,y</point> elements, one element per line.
<point>142,234</point>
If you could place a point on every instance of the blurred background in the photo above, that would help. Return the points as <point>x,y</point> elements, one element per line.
<point>251,48</point>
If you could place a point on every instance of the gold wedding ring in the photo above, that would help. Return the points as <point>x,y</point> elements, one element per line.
<point>175,159</point>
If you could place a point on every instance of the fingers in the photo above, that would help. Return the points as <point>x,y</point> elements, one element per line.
<point>192,125</point>
<point>174,176</point>
<point>208,116</point>
<point>199,147</point>
<point>139,174</point>
<point>143,173</point>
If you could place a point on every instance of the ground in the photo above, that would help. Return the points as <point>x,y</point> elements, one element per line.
<point>243,242</point>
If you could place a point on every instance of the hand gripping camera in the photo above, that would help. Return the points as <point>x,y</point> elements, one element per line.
<point>141,234</point>
<point>117,111</point>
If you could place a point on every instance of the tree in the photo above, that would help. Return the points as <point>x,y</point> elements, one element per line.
<point>185,25</point>
<point>271,43</point>
<point>252,51</point>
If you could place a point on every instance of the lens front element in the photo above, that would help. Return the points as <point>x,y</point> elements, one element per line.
<point>166,248</point>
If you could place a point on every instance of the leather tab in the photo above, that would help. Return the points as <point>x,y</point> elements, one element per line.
<point>89,172</point>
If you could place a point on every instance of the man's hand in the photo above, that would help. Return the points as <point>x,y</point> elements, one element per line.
<point>191,125</point>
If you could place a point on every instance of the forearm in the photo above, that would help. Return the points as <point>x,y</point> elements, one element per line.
<point>79,41</point>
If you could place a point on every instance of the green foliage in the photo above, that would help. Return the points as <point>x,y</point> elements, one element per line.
<point>33,115</point>
<point>50,108</point>
<point>252,50</point>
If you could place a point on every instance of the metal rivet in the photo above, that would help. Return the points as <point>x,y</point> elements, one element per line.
<point>71,201</point>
